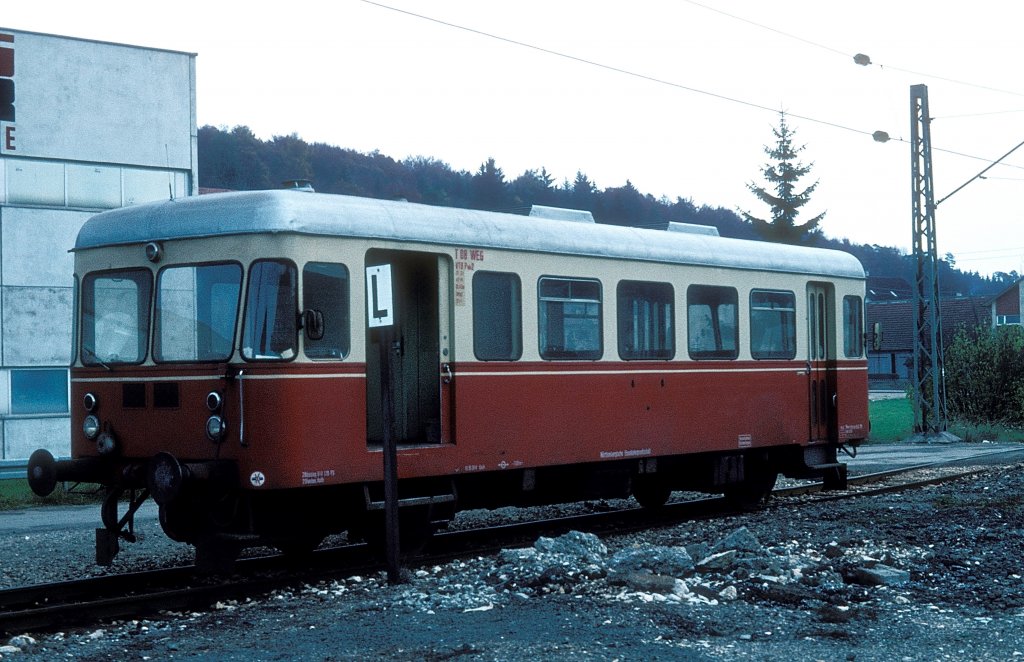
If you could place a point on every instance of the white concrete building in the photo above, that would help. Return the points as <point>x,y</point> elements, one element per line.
<point>84,126</point>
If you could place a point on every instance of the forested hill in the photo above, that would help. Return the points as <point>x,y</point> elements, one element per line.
<point>236,159</point>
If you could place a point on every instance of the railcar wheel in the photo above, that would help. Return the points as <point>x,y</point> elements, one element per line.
<point>299,546</point>
<point>414,531</point>
<point>179,522</point>
<point>651,493</point>
<point>216,555</point>
<point>753,492</point>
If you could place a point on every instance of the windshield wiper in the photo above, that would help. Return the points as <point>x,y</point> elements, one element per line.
<point>96,359</point>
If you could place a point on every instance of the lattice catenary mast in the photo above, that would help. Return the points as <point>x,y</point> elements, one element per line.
<point>929,378</point>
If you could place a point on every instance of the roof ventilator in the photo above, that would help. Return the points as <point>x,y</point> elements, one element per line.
<point>561,214</point>
<point>303,185</point>
<point>692,228</point>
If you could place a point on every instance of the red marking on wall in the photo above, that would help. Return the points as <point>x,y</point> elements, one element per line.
<point>7,92</point>
<point>7,62</point>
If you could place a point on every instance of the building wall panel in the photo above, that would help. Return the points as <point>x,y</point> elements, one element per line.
<point>37,326</point>
<point>93,186</point>
<point>97,126</point>
<point>82,100</point>
<point>36,245</point>
<point>141,186</point>
<point>35,183</point>
<point>24,435</point>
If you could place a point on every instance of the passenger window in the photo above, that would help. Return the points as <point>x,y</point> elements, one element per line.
<point>853,327</point>
<point>325,288</point>
<point>196,312</point>
<point>270,312</point>
<point>772,324</point>
<point>497,316</point>
<point>712,322</point>
<point>569,318</point>
<point>646,326</point>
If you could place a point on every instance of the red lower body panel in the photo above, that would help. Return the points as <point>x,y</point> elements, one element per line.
<point>301,425</point>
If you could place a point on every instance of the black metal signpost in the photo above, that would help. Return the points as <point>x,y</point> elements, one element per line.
<point>381,322</point>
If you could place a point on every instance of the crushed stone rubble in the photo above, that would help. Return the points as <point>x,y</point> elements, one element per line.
<point>736,567</point>
<point>929,575</point>
<point>580,563</point>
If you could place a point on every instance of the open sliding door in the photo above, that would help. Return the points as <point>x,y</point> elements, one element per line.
<point>421,379</point>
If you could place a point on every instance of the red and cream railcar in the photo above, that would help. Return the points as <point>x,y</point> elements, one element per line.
<point>223,364</point>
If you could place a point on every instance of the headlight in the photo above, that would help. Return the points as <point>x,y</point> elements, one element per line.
<point>91,426</point>
<point>90,401</point>
<point>216,428</point>
<point>214,401</point>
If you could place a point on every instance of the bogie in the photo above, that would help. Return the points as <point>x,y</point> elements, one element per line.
<point>651,492</point>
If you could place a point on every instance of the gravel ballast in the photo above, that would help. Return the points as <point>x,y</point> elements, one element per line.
<point>931,574</point>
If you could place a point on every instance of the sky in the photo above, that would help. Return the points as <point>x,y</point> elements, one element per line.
<point>679,97</point>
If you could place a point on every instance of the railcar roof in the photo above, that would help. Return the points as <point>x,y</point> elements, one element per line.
<point>284,211</point>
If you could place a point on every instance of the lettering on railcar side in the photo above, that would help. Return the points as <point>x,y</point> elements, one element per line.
<point>632,452</point>
<point>465,261</point>
<point>851,431</point>
<point>317,477</point>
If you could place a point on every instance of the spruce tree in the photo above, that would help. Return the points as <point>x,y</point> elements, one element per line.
<point>783,173</point>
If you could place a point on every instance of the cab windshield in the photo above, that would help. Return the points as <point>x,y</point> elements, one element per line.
<point>196,311</point>
<point>115,316</point>
<point>195,314</point>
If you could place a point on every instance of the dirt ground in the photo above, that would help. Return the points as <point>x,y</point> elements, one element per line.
<point>933,574</point>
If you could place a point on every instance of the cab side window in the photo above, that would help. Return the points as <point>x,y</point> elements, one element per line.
<point>325,288</point>
<point>271,312</point>
<point>853,327</point>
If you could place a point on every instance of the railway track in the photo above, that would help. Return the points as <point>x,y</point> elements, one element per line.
<point>90,601</point>
<point>880,482</point>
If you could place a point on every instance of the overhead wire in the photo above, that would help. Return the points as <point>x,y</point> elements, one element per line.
<point>994,112</point>
<point>619,70</point>
<point>980,174</point>
<point>769,28</point>
<point>992,251</point>
<point>850,55</point>
<point>867,61</point>
<point>661,81</point>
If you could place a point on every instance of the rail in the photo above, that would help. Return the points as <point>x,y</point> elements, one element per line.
<point>87,601</point>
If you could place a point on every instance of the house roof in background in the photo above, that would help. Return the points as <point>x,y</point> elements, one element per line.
<point>897,319</point>
<point>1015,284</point>
<point>888,289</point>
